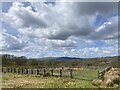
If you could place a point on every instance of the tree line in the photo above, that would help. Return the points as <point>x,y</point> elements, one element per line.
<point>22,61</point>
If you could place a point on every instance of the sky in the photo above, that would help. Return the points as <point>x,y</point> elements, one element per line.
<point>59,29</point>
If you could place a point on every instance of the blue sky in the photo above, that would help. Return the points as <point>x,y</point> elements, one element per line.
<point>73,29</point>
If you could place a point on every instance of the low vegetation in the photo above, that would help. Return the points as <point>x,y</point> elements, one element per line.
<point>11,80</point>
<point>85,73</point>
<point>110,79</point>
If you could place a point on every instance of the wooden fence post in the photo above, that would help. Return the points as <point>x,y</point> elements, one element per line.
<point>98,75</point>
<point>22,70</point>
<point>26,71</point>
<point>2,69</point>
<point>7,70</point>
<point>101,74</point>
<point>44,71</point>
<point>31,71</point>
<point>60,72</point>
<point>51,72</point>
<point>11,70</point>
<point>71,73</point>
<point>37,71</point>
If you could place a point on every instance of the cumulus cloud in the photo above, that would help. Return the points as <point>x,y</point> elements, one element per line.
<point>9,42</point>
<point>96,7</point>
<point>65,25</point>
<point>92,52</point>
<point>108,30</point>
<point>23,17</point>
<point>61,23</point>
<point>61,43</point>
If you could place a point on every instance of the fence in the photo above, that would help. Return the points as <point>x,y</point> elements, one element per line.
<point>78,73</point>
<point>40,71</point>
<point>102,73</point>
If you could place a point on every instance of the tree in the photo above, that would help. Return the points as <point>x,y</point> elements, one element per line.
<point>32,62</point>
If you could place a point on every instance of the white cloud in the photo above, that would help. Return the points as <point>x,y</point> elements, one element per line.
<point>108,30</point>
<point>60,43</point>
<point>92,52</point>
<point>64,26</point>
<point>54,22</point>
<point>23,17</point>
<point>9,42</point>
<point>111,42</point>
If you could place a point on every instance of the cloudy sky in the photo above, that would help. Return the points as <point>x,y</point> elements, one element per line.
<point>56,29</point>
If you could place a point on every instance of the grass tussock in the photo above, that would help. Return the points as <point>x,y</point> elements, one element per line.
<point>110,79</point>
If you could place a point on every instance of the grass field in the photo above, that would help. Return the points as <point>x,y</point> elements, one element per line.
<point>82,79</point>
<point>87,74</point>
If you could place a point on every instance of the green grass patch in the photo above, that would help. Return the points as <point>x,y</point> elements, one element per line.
<point>85,74</point>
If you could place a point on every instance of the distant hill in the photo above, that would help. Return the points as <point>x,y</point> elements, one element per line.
<point>58,58</point>
<point>67,58</point>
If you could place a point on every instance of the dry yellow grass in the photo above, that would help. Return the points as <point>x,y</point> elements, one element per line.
<point>110,78</point>
<point>33,81</point>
